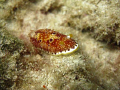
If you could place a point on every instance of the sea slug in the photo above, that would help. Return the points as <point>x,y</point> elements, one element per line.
<point>52,41</point>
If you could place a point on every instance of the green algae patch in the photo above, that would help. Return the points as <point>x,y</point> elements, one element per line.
<point>10,49</point>
<point>9,43</point>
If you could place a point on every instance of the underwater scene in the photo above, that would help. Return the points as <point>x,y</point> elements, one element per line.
<point>59,44</point>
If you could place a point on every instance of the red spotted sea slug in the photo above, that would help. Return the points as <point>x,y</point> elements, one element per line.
<point>52,41</point>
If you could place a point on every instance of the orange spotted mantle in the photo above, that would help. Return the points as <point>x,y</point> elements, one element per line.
<point>52,41</point>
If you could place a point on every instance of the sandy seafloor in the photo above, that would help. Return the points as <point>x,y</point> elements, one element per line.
<point>93,24</point>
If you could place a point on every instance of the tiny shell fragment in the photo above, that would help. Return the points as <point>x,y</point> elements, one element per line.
<point>52,41</point>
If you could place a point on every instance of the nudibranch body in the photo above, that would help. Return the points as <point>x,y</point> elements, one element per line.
<point>52,41</point>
